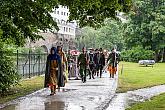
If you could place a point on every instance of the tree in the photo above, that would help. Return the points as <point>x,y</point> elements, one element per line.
<point>8,72</point>
<point>107,37</point>
<point>110,35</point>
<point>147,26</point>
<point>22,19</point>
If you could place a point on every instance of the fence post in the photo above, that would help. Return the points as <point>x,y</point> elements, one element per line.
<point>39,63</point>
<point>29,63</point>
<point>17,60</point>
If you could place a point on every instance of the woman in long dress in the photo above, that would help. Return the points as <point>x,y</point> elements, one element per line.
<point>53,69</point>
<point>62,77</point>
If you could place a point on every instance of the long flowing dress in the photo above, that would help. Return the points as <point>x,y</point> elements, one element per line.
<point>62,76</point>
<point>52,74</point>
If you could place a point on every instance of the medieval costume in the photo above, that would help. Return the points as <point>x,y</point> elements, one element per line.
<point>101,62</point>
<point>112,63</point>
<point>82,63</point>
<point>91,64</point>
<point>96,62</point>
<point>64,66</point>
<point>53,70</point>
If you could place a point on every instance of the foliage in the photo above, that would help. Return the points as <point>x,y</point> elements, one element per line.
<point>108,36</point>
<point>137,53</point>
<point>147,25</point>
<point>8,72</point>
<point>93,12</point>
<point>22,19</point>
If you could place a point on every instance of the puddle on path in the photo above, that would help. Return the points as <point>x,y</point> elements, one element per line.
<point>92,85</point>
<point>56,105</point>
<point>67,90</point>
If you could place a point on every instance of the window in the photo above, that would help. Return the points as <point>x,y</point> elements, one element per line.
<point>64,29</point>
<point>55,12</point>
<point>61,13</point>
<point>64,13</point>
<point>69,29</point>
<point>67,14</point>
<point>67,7</point>
<point>58,12</point>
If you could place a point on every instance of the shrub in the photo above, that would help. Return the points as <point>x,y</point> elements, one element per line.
<point>137,53</point>
<point>8,73</point>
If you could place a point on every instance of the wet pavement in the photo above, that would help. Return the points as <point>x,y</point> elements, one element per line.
<point>95,94</point>
<point>122,101</point>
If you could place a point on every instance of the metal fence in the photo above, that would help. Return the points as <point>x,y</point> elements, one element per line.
<point>30,64</point>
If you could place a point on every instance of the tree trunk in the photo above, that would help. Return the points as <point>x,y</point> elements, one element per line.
<point>163,55</point>
<point>156,55</point>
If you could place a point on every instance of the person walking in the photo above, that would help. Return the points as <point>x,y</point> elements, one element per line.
<point>91,64</point>
<point>112,61</point>
<point>82,63</point>
<point>53,68</point>
<point>62,77</point>
<point>96,62</point>
<point>101,61</point>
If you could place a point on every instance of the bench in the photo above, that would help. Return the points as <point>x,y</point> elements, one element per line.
<point>146,62</point>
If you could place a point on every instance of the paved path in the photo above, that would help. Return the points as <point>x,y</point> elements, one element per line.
<point>124,100</point>
<point>95,94</point>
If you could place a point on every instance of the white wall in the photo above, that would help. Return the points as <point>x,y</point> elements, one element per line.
<point>61,15</point>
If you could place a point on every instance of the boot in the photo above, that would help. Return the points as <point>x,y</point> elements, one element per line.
<point>110,75</point>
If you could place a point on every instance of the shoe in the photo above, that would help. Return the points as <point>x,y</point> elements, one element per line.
<point>51,94</point>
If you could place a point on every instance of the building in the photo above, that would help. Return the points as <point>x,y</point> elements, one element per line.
<point>65,36</point>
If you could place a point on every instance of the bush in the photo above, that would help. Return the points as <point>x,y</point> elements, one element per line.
<point>8,73</point>
<point>136,54</point>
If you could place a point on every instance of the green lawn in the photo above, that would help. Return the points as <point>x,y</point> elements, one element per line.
<point>135,76</point>
<point>156,103</point>
<point>25,87</point>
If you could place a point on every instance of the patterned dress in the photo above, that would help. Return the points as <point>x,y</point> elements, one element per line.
<point>53,73</point>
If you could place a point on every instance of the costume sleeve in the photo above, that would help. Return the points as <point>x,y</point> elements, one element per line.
<point>78,59</point>
<point>109,57</point>
<point>47,73</point>
<point>103,59</point>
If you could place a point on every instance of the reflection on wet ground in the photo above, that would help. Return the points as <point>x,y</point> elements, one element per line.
<point>68,90</point>
<point>92,95</point>
<point>125,100</point>
<point>56,105</point>
<point>91,85</point>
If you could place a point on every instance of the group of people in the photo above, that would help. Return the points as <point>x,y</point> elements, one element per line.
<point>93,63</point>
<point>55,67</point>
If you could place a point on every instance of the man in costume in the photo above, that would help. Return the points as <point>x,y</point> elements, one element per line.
<point>91,64</point>
<point>112,61</point>
<point>53,70</point>
<point>101,61</point>
<point>96,62</point>
<point>82,62</point>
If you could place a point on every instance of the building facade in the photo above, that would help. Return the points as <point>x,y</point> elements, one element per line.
<point>64,37</point>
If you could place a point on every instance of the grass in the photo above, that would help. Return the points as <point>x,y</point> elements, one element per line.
<point>135,76</point>
<point>25,87</point>
<point>156,103</point>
